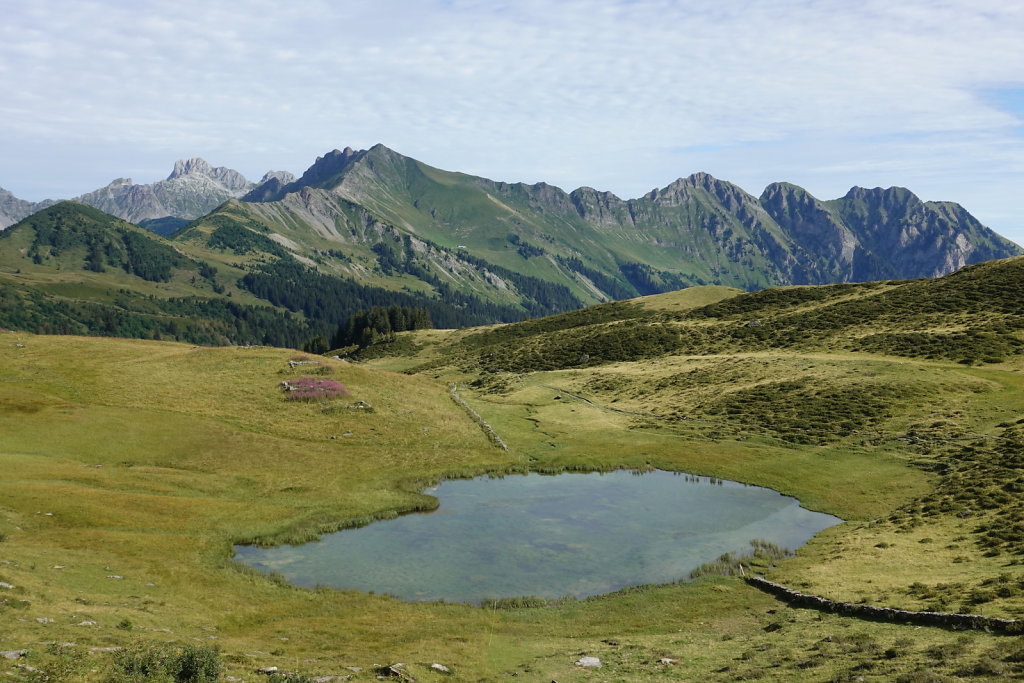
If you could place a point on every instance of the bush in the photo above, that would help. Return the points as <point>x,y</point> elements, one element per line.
<point>140,662</point>
<point>196,664</point>
<point>151,663</point>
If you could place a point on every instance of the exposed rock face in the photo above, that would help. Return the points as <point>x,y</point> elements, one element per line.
<point>326,171</point>
<point>13,209</point>
<point>283,176</point>
<point>270,187</point>
<point>918,239</point>
<point>820,234</point>
<point>229,178</point>
<point>879,234</point>
<point>193,189</point>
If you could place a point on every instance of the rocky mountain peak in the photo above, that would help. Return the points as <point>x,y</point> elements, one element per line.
<point>193,189</point>
<point>588,192</point>
<point>13,209</point>
<point>195,165</point>
<point>779,198</point>
<point>732,197</point>
<point>334,155</point>
<point>785,190</point>
<point>271,187</point>
<point>886,195</point>
<point>700,179</point>
<point>283,177</point>
<point>327,168</point>
<point>325,173</point>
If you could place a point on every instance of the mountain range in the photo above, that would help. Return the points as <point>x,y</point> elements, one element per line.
<point>374,227</point>
<point>193,189</point>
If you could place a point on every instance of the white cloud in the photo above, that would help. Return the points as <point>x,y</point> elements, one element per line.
<point>573,92</point>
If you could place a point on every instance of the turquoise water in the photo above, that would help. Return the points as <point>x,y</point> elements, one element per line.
<point>550,536</point>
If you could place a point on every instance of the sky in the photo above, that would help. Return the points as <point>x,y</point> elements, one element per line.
<point>619,95</point>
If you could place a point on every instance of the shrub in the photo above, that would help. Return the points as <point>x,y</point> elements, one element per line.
<point>163,664</point>
<point>141,661</point>
<point>196,664</point>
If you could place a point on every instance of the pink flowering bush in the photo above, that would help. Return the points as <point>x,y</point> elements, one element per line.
<point>312,389</point>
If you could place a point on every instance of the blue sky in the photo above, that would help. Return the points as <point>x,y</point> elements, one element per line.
<point>621,96</point>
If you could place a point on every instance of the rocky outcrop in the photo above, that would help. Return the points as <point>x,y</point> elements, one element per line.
<point>601,208</point>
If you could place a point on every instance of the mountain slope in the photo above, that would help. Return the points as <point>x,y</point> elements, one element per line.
<point>337,239</point>
<point>394,223</point>
<point>696,230</point>
<point>72,269</point>
<point>227,279</point>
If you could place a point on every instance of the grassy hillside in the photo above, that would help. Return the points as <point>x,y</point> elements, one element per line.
<point>72,269</point>
<point>131,467</point>
<point>972,316</point>
<point>227,278</point>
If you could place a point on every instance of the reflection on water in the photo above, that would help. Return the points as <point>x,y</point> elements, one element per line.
<point>571,534</point>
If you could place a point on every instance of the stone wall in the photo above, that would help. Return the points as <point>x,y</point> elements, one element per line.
<point>492,435</point>
<point>899,616</point>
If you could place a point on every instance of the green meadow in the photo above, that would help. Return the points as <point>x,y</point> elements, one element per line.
<point>130,468</point>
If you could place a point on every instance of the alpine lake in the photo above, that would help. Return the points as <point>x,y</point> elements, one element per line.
<point>571,534</point>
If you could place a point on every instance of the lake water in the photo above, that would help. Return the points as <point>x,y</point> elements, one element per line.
<point>549,536</point>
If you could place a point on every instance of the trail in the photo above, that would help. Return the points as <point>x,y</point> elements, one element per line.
<point>590,403</point>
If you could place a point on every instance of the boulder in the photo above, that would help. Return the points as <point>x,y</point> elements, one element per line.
<point>589,662</point>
